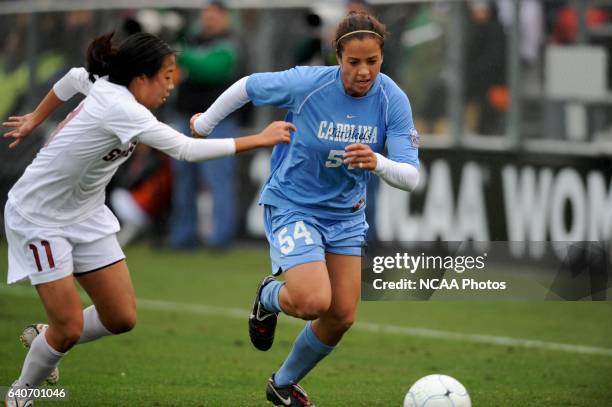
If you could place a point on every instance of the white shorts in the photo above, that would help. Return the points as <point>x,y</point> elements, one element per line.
<point>45,254</point>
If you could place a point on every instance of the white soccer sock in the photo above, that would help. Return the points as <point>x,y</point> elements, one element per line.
<point>92,326</point>
<point>39,362</point>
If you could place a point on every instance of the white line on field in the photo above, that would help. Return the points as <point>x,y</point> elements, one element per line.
<point>202,309</point>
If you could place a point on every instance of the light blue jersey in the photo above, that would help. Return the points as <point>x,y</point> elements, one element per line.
<point>309,174</point>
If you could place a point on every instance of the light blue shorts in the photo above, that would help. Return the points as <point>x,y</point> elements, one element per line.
<point>296,238</point>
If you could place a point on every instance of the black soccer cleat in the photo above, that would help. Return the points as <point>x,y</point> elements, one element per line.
<point>290,395</point>
<point>262,323</point>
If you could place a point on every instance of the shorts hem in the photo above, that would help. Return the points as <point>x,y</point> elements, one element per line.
<point>48,278</point>
<point>346,252</point>
<point>300,261</point>
<point>81,273</point>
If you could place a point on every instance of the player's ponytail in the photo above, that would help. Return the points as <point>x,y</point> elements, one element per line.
<point>139,54</point>
<point>100,55</point>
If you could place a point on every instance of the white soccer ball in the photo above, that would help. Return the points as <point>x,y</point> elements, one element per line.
<point>437,390</point>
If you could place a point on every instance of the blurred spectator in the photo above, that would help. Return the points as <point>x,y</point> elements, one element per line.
<point>164,23</point>
<point>486,68</point>
<point>209,63</point>
<point>309,51</point>
<point>531,28</point>
<point>485,74</point>
<point>79,28</point>
<point>358,6</point>
<point>316,47</point>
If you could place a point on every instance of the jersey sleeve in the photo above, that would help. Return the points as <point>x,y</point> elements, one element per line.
<point>75,81</point>
<point>282,89</point>
<point>178,146</point>
<point>128,119</point>
<point>402,138</point>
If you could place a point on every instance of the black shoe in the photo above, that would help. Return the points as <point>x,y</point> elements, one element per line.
<point>262,323</point>
<point>290,395</point>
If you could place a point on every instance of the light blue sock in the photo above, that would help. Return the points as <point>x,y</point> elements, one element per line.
<point>307,351</point>
<point>269,296</point>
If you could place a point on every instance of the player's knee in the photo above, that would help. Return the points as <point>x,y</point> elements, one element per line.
<point>339,322</point>
<point>122,323</point>
<point>69,333</point>
<point>344,323</point>
<point>313,306</point>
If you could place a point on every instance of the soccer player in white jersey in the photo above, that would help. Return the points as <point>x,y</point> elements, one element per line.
<point>57,225</point>
<point>314,199</point>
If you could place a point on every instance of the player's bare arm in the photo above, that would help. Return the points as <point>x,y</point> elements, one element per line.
<point>276,133</point>
<point>24,125</point>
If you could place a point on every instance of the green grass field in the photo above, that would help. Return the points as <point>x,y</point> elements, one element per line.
<point>191,347</point>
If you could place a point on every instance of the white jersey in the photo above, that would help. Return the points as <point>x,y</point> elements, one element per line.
<point>66,182</point>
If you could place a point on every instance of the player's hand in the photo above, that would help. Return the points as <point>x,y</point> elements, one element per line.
<point>194,133</point>
<point>276,133</point>
<point>23,126</point>
<point>360,156</point>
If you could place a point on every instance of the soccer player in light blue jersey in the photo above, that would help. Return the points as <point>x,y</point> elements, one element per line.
<point>346,117</point>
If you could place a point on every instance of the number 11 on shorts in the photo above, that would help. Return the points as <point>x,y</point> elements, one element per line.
<point>47,247</point>
<point>287,243</point>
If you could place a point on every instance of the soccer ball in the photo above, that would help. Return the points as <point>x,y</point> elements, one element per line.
<point>437,390</point>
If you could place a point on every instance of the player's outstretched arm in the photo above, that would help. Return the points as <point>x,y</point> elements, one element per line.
<point>24,125</point>
<point>275,133</point>
<point>236,96</point>
<point>164,138</point>
<point>75,81</point>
